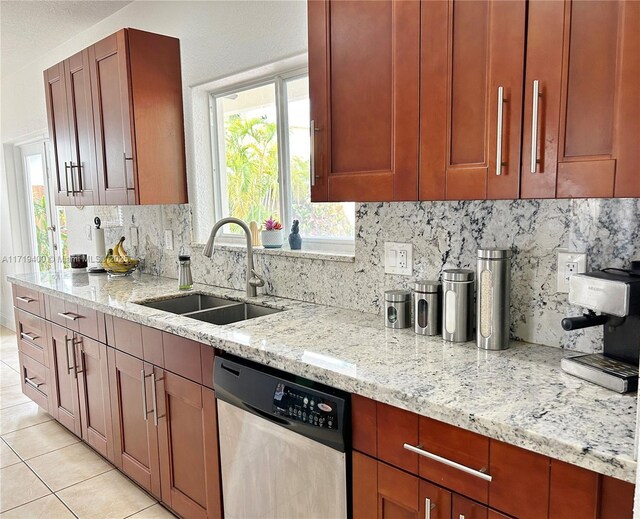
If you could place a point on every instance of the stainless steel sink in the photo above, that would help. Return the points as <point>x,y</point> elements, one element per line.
<point>211,309</point>
<point>233,313</point>
<point>188,303</point>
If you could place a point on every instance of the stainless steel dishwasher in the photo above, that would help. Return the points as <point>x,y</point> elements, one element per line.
<point>282,444</point>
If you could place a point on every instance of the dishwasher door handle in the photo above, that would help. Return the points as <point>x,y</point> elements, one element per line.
<point>266,416</point>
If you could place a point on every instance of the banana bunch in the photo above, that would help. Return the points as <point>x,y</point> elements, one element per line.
<point>117,260</point>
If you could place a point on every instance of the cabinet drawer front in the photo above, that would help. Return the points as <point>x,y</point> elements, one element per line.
<point>463,447</point>
<point>29,300</point>
<point>520,485</point>
<point>91,323</point>
<point>182,356</point>
<point>34,381</point>
<point>32,336</point>
<point>125,336</point>
<point>207,355</point>
<point>395,428</point>
<point>63,313</point>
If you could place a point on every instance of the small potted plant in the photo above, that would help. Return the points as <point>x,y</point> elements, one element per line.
<point>272,235</point>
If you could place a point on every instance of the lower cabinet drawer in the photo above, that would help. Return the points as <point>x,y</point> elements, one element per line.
<point>32,336</point>
<point>35,380</point>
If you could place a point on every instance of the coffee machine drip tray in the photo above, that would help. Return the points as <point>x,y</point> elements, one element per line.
<point>604,371</point>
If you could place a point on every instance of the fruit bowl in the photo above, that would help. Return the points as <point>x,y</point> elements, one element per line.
<point>117,263</point>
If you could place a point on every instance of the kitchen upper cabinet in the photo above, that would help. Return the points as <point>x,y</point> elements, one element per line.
<point>116,122</point>
<point>582,101</point>
<point>59,134</point>
<point>364,93</point>
<point>472,66</point>
<point>133,408</point>
<point>187,432</point>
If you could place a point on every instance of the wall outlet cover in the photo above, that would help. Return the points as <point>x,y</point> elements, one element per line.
<point>569,263</point>
<point>168,239</point>
<point>133,236</point>
<point>398,258</point>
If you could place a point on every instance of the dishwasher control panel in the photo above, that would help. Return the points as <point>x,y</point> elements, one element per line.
<point>296,404</point>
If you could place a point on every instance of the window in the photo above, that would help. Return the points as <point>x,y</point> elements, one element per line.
<point>261,157</point>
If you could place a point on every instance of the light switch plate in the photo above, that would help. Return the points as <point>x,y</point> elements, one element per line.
<point>168,239</point>
<point>569,263</point>
<point>398,258</point>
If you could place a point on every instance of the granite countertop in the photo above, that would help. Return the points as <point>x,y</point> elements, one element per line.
<point>519,395</point>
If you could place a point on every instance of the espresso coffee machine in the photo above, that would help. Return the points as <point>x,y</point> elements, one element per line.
<point>612,298</point>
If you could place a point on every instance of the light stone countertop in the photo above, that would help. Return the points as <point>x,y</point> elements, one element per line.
<point>519,395</point>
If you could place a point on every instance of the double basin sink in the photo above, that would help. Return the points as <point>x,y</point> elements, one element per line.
<point>211,309</point>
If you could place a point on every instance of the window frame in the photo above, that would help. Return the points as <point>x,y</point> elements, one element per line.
<point>220,202</point>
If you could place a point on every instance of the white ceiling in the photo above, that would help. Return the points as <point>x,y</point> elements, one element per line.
<point>29,28</point>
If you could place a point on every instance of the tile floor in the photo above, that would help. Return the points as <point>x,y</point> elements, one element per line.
<point>46,472</point>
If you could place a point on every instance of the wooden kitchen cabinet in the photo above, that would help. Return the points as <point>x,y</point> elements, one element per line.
<point>472,65</point>
<point>63,362</point>
<point>464,508</point>
<point>583,61</point>
<point>132,408</point>
<point>364,94</point>
<point>116,122</point>
<point>93,392</point>
<point>188,446</point>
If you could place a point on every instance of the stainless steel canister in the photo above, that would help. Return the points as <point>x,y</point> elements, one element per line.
<point>426,307</point>
<point>494,301</point>
<point>457,315</point>
<point>185,280</point>
<point>397,308</point>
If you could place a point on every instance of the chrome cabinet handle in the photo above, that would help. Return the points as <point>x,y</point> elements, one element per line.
<point>155,399</point>
<point>80,354</point>
<point>25,299</point>
<point>312,158</point>
<point>534,125</point>
<point>29,336</point>
<point>67,167</point>
<point>69,315</point>
<point>66,347</point>
<point>477,473</point>
<point>428,506</point>
<point>499,131</point>
<point>33,384</point>
<point>145,410</point>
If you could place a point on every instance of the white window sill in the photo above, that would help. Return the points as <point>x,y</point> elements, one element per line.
<point>344,257</point>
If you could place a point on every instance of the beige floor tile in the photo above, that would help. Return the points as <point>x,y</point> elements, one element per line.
<point>7,456</point>
<point>108,496</point>
<point>48,507</point>
<point>19,486</point>
<point>5,331</point>
<point>153,512</point>
<point>11,360</point>
<point>39,439</point>
<point>79,463</point>
<point>12,395</point>
<point>21,416</point>
<point>8,376</point>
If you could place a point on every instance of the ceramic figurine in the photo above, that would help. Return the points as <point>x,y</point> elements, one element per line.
<point>295,240</point>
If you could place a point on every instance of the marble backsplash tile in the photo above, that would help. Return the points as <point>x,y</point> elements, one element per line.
<point>444,235</point>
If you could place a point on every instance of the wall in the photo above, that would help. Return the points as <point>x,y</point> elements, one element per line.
<point>217,39</point>
<point>444,235</point>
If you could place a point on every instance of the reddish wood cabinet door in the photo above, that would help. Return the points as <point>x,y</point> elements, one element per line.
<point>59,133</point>
<point>135,436</point>
<point>471,99</point>
<point>93,388</point>
<point>83,174</point>
<point>112,120</point>
<point>187,433</point>
<point>464,508</point>
<point>62,366</point>
<point>581,106</point>
<point>364,94</point>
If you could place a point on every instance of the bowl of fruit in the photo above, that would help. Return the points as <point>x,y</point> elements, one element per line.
<point>117,262</point>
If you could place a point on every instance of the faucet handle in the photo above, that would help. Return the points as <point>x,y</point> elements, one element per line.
<point>256,280</point>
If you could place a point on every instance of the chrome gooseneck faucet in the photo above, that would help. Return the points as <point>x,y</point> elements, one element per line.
<point>253,279</point>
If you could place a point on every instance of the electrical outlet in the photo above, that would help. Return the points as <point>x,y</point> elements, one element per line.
<point>398,258</point>
<point>133,236</point>
<point>168,239</point>
<point>569,263</point>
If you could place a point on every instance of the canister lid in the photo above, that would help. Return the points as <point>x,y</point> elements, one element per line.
<point>426,286</point>
<point>494,253</point>
<point>397,295</point>
<point>458,275</point>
